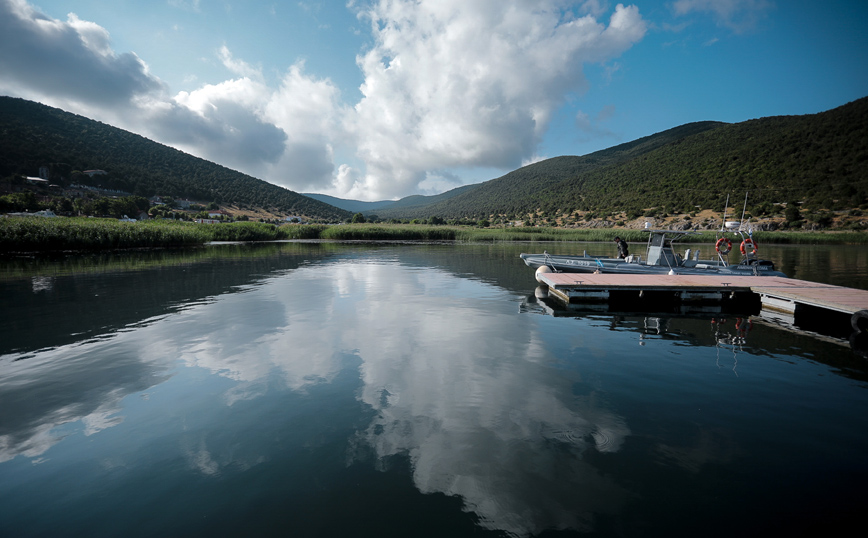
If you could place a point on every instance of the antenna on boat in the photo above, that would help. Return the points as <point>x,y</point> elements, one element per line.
<point>725,207</point>
<point>744,210</point>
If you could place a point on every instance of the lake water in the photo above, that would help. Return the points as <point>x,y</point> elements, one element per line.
<point>308,389</point>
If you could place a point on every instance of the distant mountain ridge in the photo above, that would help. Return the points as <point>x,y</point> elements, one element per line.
<point>404,204</point>
<point>353,206</point>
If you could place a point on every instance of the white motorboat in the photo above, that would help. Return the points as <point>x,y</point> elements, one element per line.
<point>661,258</point>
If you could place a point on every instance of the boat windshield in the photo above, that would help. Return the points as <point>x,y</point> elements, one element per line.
<point>660,250</point>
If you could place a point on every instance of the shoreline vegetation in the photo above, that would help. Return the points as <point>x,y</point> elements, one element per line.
<point>27,235</point>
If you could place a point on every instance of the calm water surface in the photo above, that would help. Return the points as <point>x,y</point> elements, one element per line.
<point>304,389</point>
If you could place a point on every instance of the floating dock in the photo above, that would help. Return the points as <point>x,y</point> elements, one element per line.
<point>797,302</point>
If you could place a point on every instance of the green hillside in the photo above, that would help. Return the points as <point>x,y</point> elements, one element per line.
<point>509,193</point>
<point>33,135</point>
<point>817,163</point>
<point>819,160</point>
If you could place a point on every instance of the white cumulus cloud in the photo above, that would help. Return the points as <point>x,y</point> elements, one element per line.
<point>68,64</point>
<point>453,83</point>
<point>447,85</point>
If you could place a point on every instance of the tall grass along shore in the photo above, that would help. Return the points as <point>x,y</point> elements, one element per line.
<point>37,234</point>
<point>422,232</point>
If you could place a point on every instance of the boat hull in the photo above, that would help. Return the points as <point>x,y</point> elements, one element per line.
<point>594,264</point>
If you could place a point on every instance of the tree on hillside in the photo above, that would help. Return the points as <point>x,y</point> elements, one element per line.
<point>792,213</point>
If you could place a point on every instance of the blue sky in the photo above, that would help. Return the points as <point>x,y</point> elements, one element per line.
<point>377,99</point>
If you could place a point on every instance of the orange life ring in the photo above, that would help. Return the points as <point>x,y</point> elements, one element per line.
<point>723,241</point>
<point>749,243</point>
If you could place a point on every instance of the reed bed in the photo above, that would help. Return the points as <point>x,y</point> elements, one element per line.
<point>36,234</point>
<point>541,234</point>
<point>388,232</point>
<point>639,236</point>
<point>244,231</point>
<point>29,234</point>
<point>422,232</point>
<point>782,238</point>
<point>302,231</point>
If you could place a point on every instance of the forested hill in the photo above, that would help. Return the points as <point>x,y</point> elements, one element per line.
<point>819,159</point>
<point>33,135</point>
<point>515,192</point>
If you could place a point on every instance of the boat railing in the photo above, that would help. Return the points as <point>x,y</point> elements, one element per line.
<point>549,262</point>
<point>741,233</point>
<point>661,252</point>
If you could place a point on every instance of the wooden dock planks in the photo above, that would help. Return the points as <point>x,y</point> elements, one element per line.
<point>777,291</point>
<point>826,296</point>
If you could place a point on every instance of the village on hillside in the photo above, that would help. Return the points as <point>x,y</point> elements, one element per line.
<point>37,195</point>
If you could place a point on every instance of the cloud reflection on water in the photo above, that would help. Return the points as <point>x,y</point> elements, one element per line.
<point>79,383</point>
<point>460,385</point>
<point>468,393</point>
